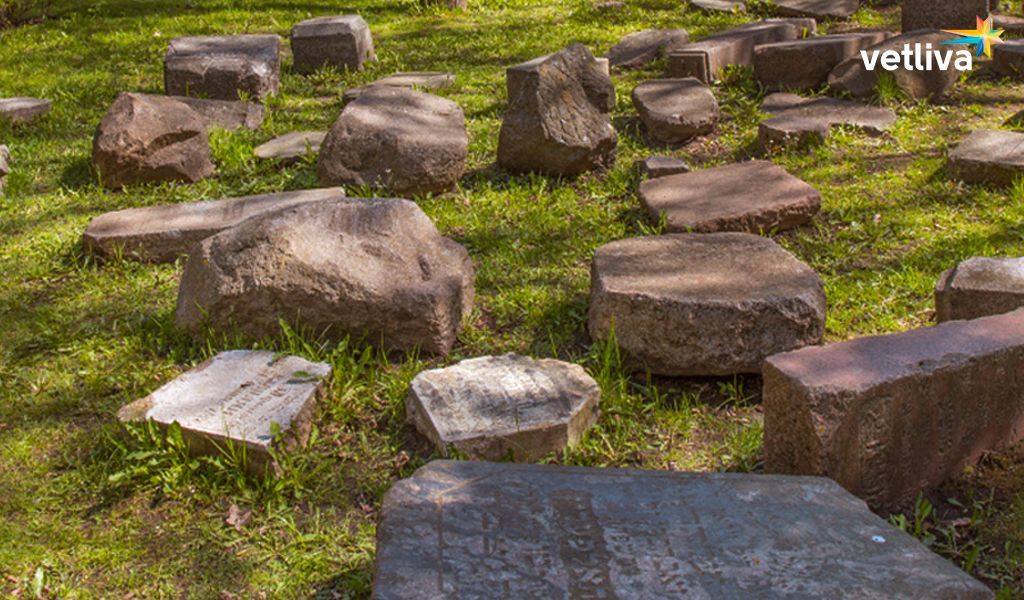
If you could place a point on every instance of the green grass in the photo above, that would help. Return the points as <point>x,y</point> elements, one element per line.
<point>89,509</point>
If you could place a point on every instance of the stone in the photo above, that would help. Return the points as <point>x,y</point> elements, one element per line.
<point>449,4</point>
<point>1008,58</point>
<point>162,234</point>
<point>675,111</point>
<point>405,141</point>
<point>706,59</point>
<point>806,121</point>
<point>988,156</point>
<point>817,9</point>
<point>805,64</point>
<point>889,417</point>
<point>343,42</point>
<point>703,304</point>
<point>5,165</point>
<point>712,6</point>
<point>980,287</point>
<point>1010,24</point>
<point>422,80</point>
<point>291,146</point>
<point>942,14</point>
<point>258,400</point>
<point>641,48</point>
<point>486,530</point>
<point>145,138</point>
<point>852,76</point>
<point>495,407</point>
<point>371,268</point>
<point>661,166</point>
<point>557,119</point>
<point>754,196</point>
<point>226,114</point>
<point>223,67</point>
<point>23,110</point>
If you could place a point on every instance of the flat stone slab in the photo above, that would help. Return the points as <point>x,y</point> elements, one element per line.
<point>341,41</point>
<point>161,234</point>
<point>817,9</point>
<point>291,146</point>
<point>980,287</point>
<point>422,80</point>
<point>1008,58</point>
<point>942,14</point>
<point>643,47</point>
<point>703,304</point>
<point>223,67</point>
<point>711,6</point>
<point>889,417</point>
<point>226,114</point>
<point>661,166</point>
<point>486,530</point>
<point>755,196</point>
<point>802,121</point>
<point>988,156</point>
<point>496,407</point>
<point>804,64</point>
<point>675,111</point>
<point>23,110</point>
<point>239,396</point>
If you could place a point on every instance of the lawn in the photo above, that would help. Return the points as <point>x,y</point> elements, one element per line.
<point>89,508</point>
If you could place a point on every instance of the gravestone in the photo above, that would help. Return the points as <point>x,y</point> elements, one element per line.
<point>343,42</point>
<point>942,14</point>
<point>817,9</point>
<point>23,110</point>
<point>661,166</point>
<point>752,197</point>
<point>488,530</point>
<point>988,156</point>
<point>799,121</point>
<point>1008,58</point>
<point>223,67</point>
<point>226,114</point>
<point>241,397</point>
<point>853,76</point>
<point>675,111</point>
<point>495,407</point>
<point>162,234</point>
<point>291,146</point>
<point>5,165</point>
<point>703,304</point>
<point>803,65</point>
<point>980,287</point>
<point>421,80</point>
<point>643,47</point>
<point>889,417</point>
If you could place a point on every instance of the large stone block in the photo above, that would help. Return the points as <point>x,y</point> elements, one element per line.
<point>223,67</point>
<point>675,111</point>
<point>343,42</point>
<point>802,65</point>
<point>980,287</point>
<point>852,75</point>
<point>988,156</point>
<point>889,417</point>
<point>486,530</point>
<point>1008,58</point>
<point>642,47</point>
<point>943,14</point>
<point>703,304</point>
<point>23,110</point>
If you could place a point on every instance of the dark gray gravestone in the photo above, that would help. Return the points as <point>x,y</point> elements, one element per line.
<point>486,530</point>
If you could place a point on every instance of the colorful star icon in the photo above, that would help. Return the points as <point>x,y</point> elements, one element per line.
<point>981,38</point>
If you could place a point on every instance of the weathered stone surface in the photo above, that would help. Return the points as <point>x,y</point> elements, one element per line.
<point>343,42</point>
<point>980,287</point>
<point>805,64</point>
<point>711,6</point>
<point>642,47</point>
<point>240,397</point>
<point>370,268</point>
<point>988,156</point>
<point>449,4</point>
<point>817,9</point>
<point>421,80</point>
<point>405,141</point>
<point>852,76</point>
<point>23,110</point>
<point>145,138</point>
<point>222,67</point>
<point>661,166</point>
<point>164,233</point>
<point>226,114</point>
<point>291,146</point>
<point>891,416</point>
<point>706,59</point>
<point>752,197</point>
<point>5,165</point>
<point>703,304</point>
<point>942,14</point>
<point>1008,58</point>
<point>802,121</point>
<point>486,530</point>
<point>557,121</point>
<point>494,407</point>
<point>675,111</point>
<point>1011,25</point>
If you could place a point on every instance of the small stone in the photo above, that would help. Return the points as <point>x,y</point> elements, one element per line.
<point>711,6</point>
<point>817,9</point>
<point>1008,58</point>
<point>852,75</point>
<point>223,67</point>
<point>643,47</point>
<point>5,165</point>
<point>661,166</point>
<point>805,64</point>
<point>421,80</point>
<point>162,234</point>
<point>988,156</point>
<point>798,121</point>
<point>942,14</point>
<point>241,397</point>
<point>754,196</point>
<point>291,146</point>
<point>703,304</point>
<point>494,407</point>
<point>226,114</point>
<point>343,42</point>
<point>675,111</point>
<point>980,287</point>
<point>23,110</point>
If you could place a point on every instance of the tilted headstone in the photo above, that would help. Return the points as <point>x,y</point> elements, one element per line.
<point>343,42</point>
<point>802,65</point>
<point>980,287</point>
<point>23,110</point>
<point>988,156</point>
<point>223,67</point>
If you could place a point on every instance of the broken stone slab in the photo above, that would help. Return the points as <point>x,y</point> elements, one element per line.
<point>753,197</point>
<point>643,47</point>
<point>343,42</point>
<point>889,417</point>
<point>1008,58</point>
<point>988,156</point>
<point>22,109</point>
<point>223,67</point>
<point>162,234</point>
<point>852,75</point>
<point>711,6</point>
<point>258,400</point>
<point>706,59</point>
<point>802,65</point>
<point>703,304</point>
<point>291,146</point>
<point>980,287</point>
<point>495,407</point>
<point>226,114</point>
<point>5,165</point>
<point>661,166</point>
<point>817,9</point>
<point>942,14</point>
<point>421,80</point>
<point>469,529</point>
<point>675,111</point>
<point>803,121</point>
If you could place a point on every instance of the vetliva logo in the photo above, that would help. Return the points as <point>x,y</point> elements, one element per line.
<point>918,57</point>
